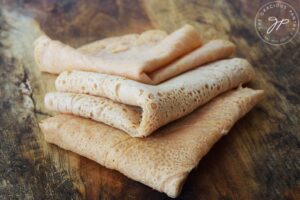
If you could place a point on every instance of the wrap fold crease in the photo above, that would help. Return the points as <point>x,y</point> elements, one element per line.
<point>151,57</point>
<point>163,160</point>
<point>140,109</point>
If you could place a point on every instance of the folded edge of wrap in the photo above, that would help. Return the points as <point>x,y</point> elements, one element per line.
<point>55,57</point>
<point>211,51</point>
<point>164,160</point>
<point>158,104</point>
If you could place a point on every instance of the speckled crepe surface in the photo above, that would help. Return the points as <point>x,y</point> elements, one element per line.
<point>163,160</point>
<point>137,108</point>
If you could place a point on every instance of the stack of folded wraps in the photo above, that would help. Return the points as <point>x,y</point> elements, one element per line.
<point>114,96</point>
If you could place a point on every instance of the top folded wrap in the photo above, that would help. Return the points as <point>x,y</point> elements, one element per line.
<point>151,57</point>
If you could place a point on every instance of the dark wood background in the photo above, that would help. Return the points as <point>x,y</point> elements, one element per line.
<point>258,159</point>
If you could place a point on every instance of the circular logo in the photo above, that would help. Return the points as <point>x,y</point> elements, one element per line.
<point>276,23</point>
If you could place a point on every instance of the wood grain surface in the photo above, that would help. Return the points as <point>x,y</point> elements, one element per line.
<point>258,159</point>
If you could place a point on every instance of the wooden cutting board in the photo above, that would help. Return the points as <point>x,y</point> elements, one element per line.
<point>258,159</point>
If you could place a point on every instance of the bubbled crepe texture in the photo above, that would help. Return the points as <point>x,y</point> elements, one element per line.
<point>145,82</point>
<point>140,109</point>
<point>163,160</point>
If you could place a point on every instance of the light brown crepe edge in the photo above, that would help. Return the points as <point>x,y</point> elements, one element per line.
<point>55,57</point>
<point>228,108</point>
<point>159,104</point>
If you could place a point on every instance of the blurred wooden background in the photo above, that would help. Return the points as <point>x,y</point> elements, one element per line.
<point>258,159</point>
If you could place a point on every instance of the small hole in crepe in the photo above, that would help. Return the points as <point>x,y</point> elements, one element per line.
<point>151,96</point>
<point>153,106</point>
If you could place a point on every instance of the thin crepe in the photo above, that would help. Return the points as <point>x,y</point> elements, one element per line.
<point>164,160</point>
<point>151,57</point>
<point>140,109</point>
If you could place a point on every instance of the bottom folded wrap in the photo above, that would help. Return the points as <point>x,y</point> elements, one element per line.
<point>162,160</point>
